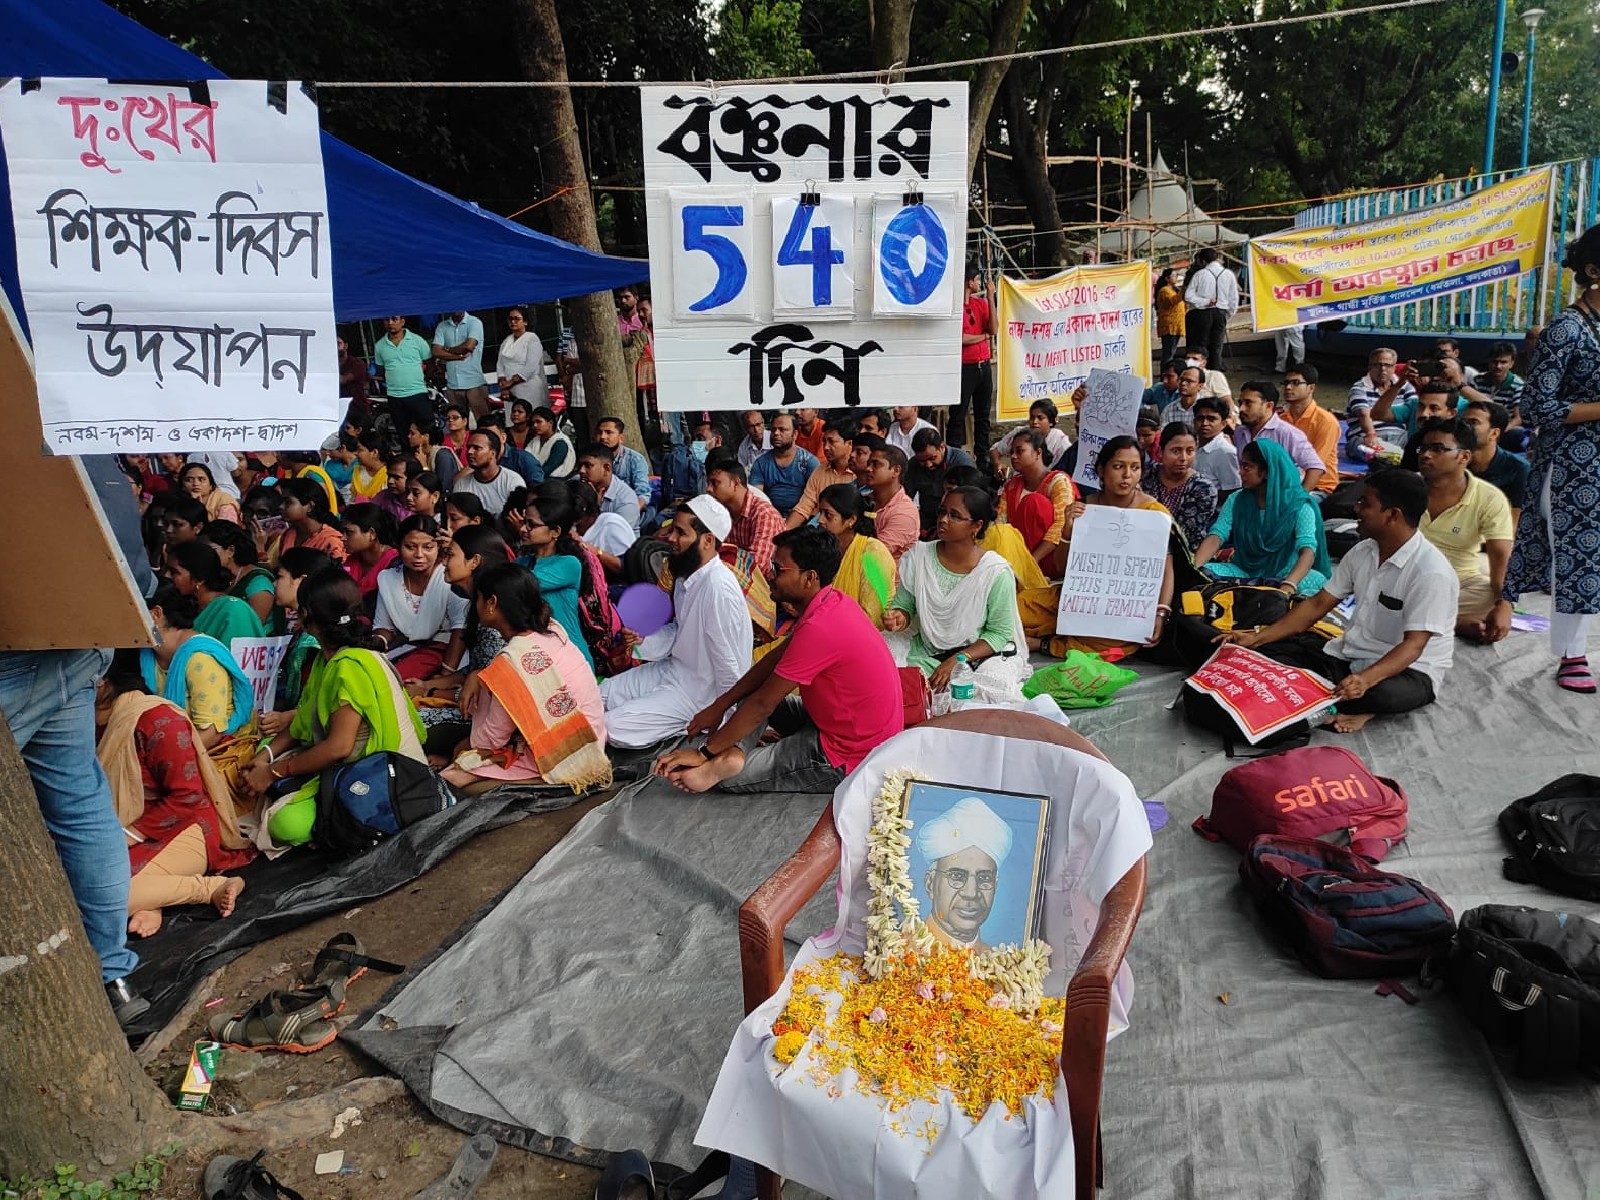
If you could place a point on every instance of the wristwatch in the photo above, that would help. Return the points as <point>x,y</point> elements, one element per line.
<point>705,752</point>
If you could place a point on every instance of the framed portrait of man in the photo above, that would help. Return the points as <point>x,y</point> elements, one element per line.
<point>977,863</point>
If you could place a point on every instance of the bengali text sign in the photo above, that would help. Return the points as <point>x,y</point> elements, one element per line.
<point>175,263</point>
<point>1052,332</point>
<point>1262,696</point>
<point>1307,275</point>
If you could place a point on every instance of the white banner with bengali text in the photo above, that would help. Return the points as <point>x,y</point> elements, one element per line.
<point>175,263</point>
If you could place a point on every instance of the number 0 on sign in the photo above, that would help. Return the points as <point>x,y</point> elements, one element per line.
<point>914,275</point>
<point>711,237</point>
<point>813,274</point>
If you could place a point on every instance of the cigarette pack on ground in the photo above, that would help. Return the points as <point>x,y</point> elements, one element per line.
<point>195,1093</point>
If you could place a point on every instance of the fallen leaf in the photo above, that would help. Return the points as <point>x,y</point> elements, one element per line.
<point>413,1147</point>
<point>1226,997</point>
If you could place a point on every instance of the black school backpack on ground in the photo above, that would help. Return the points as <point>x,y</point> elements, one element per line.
<point>1530,980</point>
<point>1554,837</point>
<point>1344,917</point>
<point>361,803</point>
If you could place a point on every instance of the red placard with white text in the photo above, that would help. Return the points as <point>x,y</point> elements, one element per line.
<point>1262,696</point>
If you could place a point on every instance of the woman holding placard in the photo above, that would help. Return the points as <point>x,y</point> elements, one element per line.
<point>1274,527</point>
<point>1120,467</point>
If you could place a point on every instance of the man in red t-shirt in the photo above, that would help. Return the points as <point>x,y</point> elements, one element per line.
<point>849,700</point>
<point>977,376</point>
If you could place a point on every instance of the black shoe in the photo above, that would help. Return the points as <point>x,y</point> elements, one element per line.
<point>126,1004</point>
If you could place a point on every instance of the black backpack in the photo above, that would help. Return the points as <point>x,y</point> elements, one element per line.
<point>361,803</point>
<point>1554,837</point>
<point>1218,606</point>
<point>1530,980</point>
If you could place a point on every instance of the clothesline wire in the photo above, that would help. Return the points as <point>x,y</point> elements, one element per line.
<point>886,77</point>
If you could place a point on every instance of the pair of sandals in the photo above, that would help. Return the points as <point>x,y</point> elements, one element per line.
<point>1573,674</point>
<point>628,1176</point>
<point>230,1178</point>
<point>299,1019</point>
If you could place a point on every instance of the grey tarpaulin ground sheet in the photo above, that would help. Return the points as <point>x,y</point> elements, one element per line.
<point>590,1009</point>
<point>302,885</point>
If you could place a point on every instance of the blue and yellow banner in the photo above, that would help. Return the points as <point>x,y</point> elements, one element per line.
<point>1304,276</point>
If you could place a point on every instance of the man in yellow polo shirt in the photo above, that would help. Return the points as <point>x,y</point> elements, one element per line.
<point>1321,427</point>
<point>1464,514</point>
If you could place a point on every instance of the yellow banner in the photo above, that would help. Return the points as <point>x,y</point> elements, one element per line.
<point>1053,332</point>
<point>1310,275</point>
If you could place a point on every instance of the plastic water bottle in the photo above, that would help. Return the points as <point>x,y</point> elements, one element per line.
<point>963,681</point>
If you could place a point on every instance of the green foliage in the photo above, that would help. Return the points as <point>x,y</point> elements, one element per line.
<point>759,38</point>
<point>139,1181</point>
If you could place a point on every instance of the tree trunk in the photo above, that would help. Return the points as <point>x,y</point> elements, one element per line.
<point>1033,175</point>
<point>891,31</point>
<point>1004,30</point>
<point>607,381</point>
<point>73,1092</point>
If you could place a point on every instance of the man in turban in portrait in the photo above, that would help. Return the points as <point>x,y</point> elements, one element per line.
<point>964,846</point>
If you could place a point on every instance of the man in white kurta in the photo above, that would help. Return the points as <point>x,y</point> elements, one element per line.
<point>711,637</point>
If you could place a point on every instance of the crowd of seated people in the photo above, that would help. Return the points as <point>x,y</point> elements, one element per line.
<point>440,604</point>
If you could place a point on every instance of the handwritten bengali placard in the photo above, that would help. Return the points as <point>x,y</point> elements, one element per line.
<point>1115,564</point>
<point>1309,275</point>
<point>1110,408</point>
<point>811,239</point>
<point>176,269</point>
<point>1261,695</point>
<point>1054,331</point>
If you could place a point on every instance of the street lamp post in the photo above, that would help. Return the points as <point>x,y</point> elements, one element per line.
<point>1531,20</point>
<point>1494,85</point>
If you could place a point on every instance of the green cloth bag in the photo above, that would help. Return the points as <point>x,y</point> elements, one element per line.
<point>1081,680</point>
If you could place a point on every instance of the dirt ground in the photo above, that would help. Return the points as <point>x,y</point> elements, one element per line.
<point>398,1148</point>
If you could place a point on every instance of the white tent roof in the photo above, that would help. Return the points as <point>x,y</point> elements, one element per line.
<point>1163,216</point>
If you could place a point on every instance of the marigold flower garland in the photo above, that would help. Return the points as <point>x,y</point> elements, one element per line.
<point>912,1017</point>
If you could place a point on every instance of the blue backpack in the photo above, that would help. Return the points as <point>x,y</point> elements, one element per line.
<point>361,803</point>
<point>1343,916</point>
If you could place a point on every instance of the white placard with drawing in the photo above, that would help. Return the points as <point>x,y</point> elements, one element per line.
<point>1110,409</point>
<point>1115,564</point>
<point>175,261</point>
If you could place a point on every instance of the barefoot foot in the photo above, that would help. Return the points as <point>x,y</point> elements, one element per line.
<point>1348,722</point>
<point>144,923</point>
<point>703,778</point>
<point>227,895</point>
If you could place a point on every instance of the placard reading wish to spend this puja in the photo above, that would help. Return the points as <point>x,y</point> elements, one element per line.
<point>1116,561</point>
<point>174,256</point>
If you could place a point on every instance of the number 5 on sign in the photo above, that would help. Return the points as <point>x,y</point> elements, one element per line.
<point>813,252</point>
<point>913,273</point>
<point>711,235</point>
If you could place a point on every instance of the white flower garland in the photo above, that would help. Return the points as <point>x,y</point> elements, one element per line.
<point>1017,973</point>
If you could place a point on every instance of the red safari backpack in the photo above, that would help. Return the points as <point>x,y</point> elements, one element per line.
<point>1308,792</point>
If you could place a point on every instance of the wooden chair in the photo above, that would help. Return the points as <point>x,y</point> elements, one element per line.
<point>764,916</point>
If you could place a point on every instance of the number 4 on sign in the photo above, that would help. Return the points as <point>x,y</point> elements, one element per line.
<point>821,257</point>
<point>813,247</point>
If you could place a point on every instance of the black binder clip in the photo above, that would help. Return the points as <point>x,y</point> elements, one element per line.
<point>810,197</point>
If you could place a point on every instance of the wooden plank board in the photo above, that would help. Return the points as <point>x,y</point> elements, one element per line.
<point>65,584</point>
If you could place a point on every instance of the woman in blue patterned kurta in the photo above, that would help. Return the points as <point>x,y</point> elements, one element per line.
<point>1558,538</point>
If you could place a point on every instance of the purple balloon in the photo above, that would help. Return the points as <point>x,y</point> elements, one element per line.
<point>644,608</point>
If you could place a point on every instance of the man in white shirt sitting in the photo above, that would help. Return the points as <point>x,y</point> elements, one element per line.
<point>487,479</point>
<point>756,441</point>
<point>1212,294</point>
<point>1401,638</point>
<point>905,427</point>
<point>710,637</point>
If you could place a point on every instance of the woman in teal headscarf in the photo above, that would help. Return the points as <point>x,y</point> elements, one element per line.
<point>1274,527</point>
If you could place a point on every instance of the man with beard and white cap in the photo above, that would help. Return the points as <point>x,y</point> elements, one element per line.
<point>964,846</point>
<point>710,637</point>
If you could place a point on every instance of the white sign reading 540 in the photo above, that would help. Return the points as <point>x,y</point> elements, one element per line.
<point>809,253</point>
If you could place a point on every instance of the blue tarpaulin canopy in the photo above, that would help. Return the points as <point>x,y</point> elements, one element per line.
<point>399,245</point>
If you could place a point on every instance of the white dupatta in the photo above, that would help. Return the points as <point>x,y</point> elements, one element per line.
<point>953,619</point>
<point>427,623</point>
